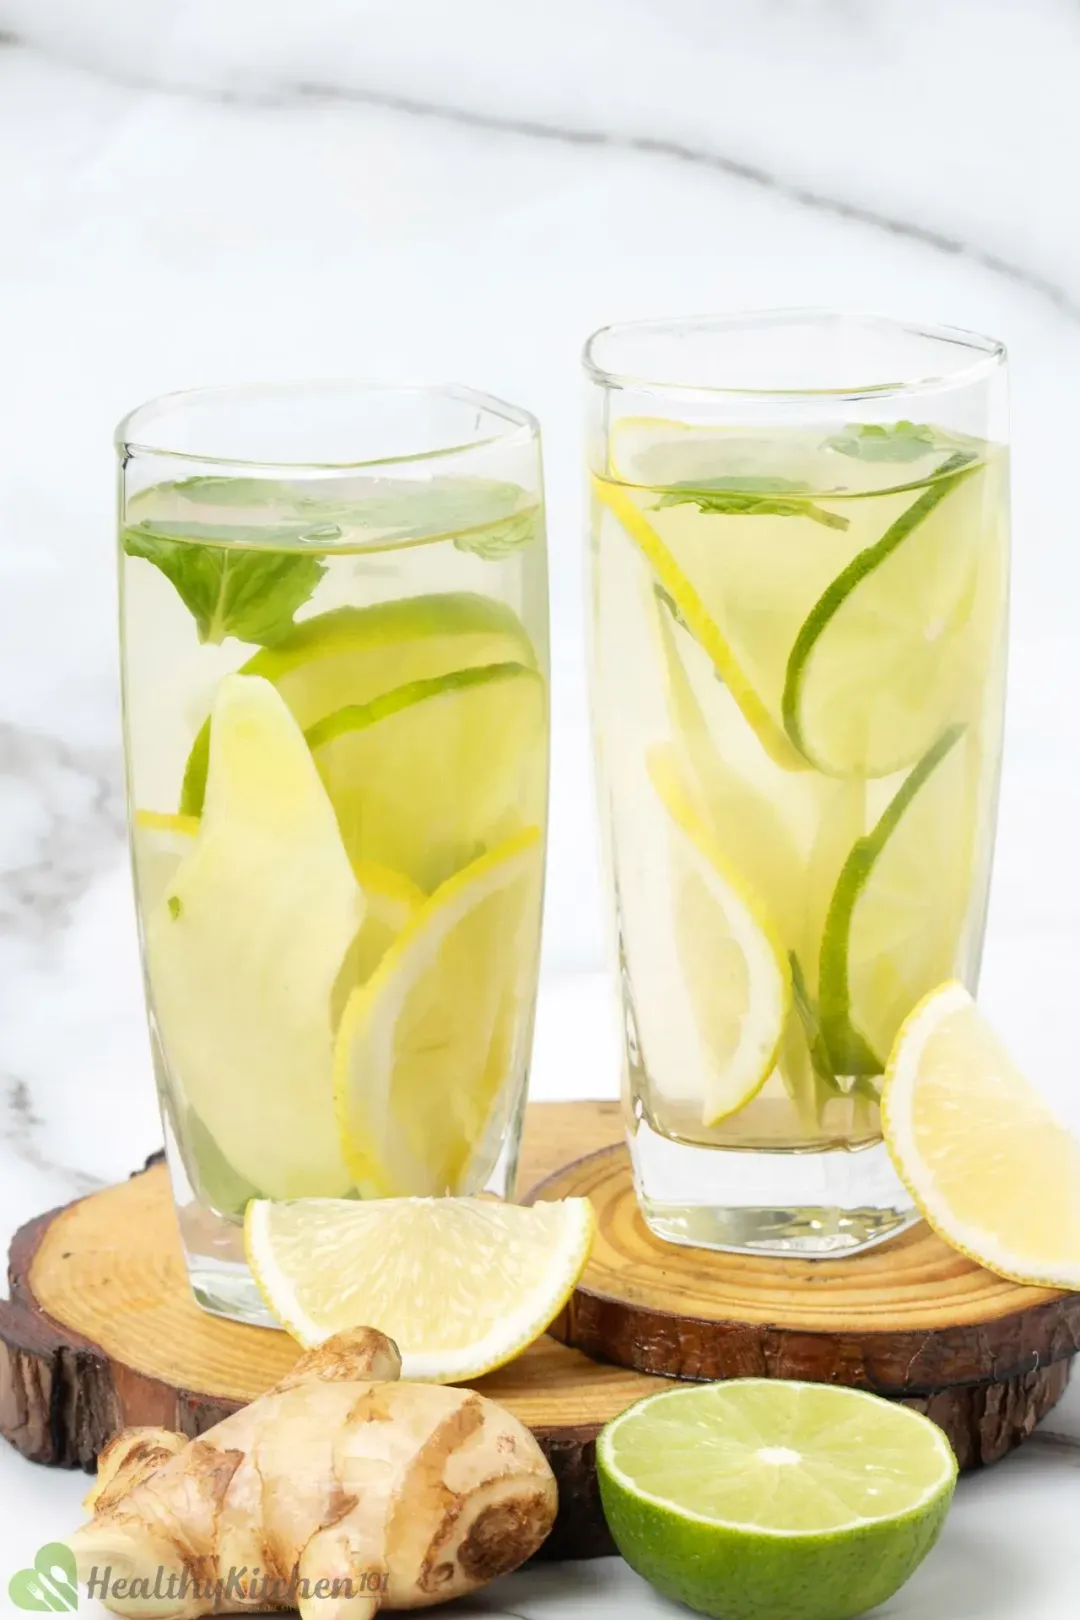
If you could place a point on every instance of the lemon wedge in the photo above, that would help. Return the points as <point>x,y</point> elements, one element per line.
<point>989,1164</point>
<point>462,1285</point>
<point>245,945</point>
<point>432,1050</point>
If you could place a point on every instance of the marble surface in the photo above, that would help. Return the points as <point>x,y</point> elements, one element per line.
<point>196,193</point>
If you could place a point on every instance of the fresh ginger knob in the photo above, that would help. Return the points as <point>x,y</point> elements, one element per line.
<point>341,1491</point>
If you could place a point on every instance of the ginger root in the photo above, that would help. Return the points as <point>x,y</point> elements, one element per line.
<point>338,1492</point>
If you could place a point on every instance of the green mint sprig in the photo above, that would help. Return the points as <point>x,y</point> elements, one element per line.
<point>883,441</point>
<point>252,595</point>
<point>750,497</point>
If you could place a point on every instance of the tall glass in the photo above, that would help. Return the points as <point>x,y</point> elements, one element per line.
<point>799,579</point>
<point>335,680</point>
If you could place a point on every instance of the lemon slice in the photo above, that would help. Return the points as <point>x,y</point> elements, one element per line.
<point>159,843</point>
<point>764,819</point>
<point>244,948</point>
<point>461,1285</point>
<point>991,1167</point>
<point>352,655</point>
<point>884,659</point>
<point>731,965</point>
<point>696,603</point>
<point>391,901</point>
<point>897,913</point>
<point>431,1052</point>
<point>428,776</point>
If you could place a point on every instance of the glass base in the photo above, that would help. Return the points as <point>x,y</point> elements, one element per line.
<point>213,1243</point>
<point>217,1270</point>
<point>213,1246</point>
<point>806,1205</point>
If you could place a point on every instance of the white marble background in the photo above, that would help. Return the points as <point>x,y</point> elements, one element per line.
<point>195,191</point>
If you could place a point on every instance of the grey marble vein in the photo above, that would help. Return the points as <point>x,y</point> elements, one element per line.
<point>61,820</point>
<point>19,1127</point>
<point>69,802</point>
<point>754,174</point>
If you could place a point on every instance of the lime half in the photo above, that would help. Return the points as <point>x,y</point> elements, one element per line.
<point>758,1499</point>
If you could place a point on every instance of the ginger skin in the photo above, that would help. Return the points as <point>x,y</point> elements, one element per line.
<point>403,1495</point>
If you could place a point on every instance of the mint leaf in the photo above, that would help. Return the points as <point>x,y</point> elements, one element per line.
<point>252,595</point>
<point>872,441</point>
<point>499,538</point>
<point>750,497</point>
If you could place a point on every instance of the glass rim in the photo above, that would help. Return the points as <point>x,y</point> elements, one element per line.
<point>128,440</point>
<point>984,355</point>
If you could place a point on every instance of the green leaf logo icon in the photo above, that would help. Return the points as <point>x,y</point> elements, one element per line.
<point>51,1586</point>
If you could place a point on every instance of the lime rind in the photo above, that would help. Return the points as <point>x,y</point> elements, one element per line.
<point>841,594</point>
<point>760,1565</point>
<point>426,777</point>
<point>358,716</point>
<point>849,1051</point>
<point>317,665</point>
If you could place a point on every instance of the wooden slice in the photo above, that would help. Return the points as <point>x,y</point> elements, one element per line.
<point>912,1319</point>
<point>101,1332</point>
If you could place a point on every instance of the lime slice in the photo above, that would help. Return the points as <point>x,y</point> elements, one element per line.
<point>989,1164</point>
<point>159,843</point>
<point>734,966</point>
<point>391,901</point>
<point>431,1052</point>
<point>884,660</point>
<point>897,912</point>
<point>352,655</point>
<point>427,777</point>
<point>461,1285</point>
<point>244,948</point>
<point>759,1499</point>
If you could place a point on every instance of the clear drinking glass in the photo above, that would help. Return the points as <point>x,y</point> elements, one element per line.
<point>799,580</point>
<point>335,680</point>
